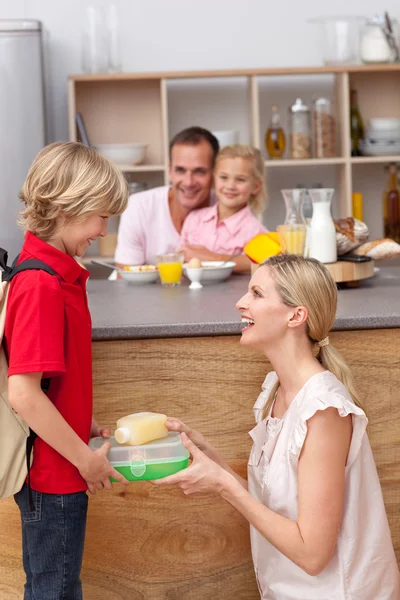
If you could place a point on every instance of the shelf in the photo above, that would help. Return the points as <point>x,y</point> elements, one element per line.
<point>141,168</point>
<point>306,162</point>
<point>105,77</point>
<point>365,160</point>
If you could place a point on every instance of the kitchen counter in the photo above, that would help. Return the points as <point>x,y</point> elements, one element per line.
<point>121,311</point>
<point>178,351</point>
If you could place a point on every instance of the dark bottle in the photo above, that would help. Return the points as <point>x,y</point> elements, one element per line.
<point>356,124</point>
<point>391,206</point>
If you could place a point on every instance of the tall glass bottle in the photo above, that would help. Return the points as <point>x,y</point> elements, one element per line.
<point>275,139</point>
<point>391,206</point>
<point>356,124</point>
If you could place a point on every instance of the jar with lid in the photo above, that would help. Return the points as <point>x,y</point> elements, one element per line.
<point>300,130</point>
<point>374,44</point>
<point>324,129</point>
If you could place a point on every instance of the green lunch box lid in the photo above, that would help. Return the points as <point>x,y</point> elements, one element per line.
<point>137,459</point>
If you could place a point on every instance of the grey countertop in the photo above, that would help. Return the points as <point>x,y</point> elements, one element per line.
<point>122,311</point>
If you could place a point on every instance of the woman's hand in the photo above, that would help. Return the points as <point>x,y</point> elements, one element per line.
<point>202,476</point>
<point>97,431</point>
<point>195,436</point>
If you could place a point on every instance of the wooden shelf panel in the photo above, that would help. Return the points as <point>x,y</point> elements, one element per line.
<point>365,160</point>
<point>238,72</point>
<point>310,162</point>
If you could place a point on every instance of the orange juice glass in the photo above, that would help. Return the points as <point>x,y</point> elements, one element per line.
<point>293,238</point>
<point>170,268</point>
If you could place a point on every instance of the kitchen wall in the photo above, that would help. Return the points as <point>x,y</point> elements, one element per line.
<point>158,35</point>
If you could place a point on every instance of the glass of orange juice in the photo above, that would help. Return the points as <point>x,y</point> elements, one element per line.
<point>293,238</point>
<point>170,268</point>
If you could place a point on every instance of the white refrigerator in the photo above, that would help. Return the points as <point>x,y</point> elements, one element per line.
<point>22,119</point>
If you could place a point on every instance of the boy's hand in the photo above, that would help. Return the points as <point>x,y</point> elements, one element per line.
<point>97,470</point>
<point>97,431</point>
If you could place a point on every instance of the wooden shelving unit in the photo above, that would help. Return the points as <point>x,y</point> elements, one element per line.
<point>133,107</point>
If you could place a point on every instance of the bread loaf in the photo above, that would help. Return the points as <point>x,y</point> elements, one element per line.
<point>350,233</point>
<point>379,249</point>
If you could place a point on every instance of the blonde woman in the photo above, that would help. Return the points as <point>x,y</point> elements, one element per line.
<point>69,194</point>
<point>313,499</point>
<point>220,231</point>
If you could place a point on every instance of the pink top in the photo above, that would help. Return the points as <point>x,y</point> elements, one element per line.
<point>363,566</point>
<point>229,236</point>
<point>146,228</point>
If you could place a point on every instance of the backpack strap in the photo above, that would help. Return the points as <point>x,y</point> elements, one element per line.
<point>8,274</point>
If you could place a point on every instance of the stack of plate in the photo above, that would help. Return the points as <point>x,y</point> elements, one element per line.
<point>382,137</point>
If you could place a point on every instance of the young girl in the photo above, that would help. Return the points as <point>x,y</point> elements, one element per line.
<point>221,231</point>
<point>313,498</point>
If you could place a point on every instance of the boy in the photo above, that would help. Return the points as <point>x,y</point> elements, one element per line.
<point>69,194</point>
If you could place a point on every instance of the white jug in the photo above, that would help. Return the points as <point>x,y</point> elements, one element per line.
<point>321,240</point>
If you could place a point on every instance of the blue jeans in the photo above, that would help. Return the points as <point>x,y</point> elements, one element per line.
<point>53,536</point>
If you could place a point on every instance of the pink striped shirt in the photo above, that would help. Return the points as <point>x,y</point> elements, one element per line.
<point>229,236</point>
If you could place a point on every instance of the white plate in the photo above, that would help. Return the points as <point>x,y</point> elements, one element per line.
<point>384,124</point>
<point>212,270</point>
<point>379,149</point>
<point>139,277</point>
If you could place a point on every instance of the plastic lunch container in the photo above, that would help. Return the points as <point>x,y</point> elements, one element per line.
<point>149,461</point>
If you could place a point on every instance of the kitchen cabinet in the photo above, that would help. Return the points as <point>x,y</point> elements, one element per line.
<point>137,107</point>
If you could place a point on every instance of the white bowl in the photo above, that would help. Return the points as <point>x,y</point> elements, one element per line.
<point>212,271</point>
<point>139,277</point>
<point>123,154</point>
<point>226,137</point>
<point>384,124</point>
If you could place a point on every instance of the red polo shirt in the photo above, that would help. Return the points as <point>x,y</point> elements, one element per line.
<point>48,328</point>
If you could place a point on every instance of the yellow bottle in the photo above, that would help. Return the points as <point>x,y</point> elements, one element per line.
<point>140,428</point>
<point>275,140</point>
<point>357,205</point>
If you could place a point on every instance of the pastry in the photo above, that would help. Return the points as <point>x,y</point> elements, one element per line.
<point>379,249</point>
<point>350,233</point>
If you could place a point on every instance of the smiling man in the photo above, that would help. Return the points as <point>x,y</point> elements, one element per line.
<point>153,221</point>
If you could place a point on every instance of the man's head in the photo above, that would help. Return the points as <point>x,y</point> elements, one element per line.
<point>192,154</point>
<point>70,187</point>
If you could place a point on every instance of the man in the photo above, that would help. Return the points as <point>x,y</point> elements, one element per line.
<point>153,221</point>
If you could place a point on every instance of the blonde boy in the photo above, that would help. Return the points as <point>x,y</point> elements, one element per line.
<point>69,194</point>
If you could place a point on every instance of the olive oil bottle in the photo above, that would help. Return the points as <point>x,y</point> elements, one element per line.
<point>275,139</point>
<point>356,124</point>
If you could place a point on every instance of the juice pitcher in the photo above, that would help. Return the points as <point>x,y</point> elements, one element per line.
<point>293,233</point>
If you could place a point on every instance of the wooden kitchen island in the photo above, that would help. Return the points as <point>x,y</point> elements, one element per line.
<point>177,351</point>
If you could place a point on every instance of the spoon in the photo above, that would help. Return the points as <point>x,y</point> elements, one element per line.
<point>230,258</point>
<point>106,264</point>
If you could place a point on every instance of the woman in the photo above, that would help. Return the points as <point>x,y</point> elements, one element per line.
<point>313,498</point>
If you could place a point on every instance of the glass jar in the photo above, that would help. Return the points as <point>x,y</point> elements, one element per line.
<point>324,129</point>
<point>300,130</point>
<point>374,44</point>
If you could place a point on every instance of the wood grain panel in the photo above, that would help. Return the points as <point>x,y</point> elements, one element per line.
<point>147,543</point>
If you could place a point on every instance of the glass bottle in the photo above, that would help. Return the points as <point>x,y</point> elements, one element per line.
<point>294,200</point>
<point>391,206</point>
<point>356,124</point>
<point>300,130</point>
<point>324,129</point>
<point>275,139</point>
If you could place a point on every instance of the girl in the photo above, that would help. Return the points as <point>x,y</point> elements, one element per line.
<point>313,498</point>
<point>221,231</point>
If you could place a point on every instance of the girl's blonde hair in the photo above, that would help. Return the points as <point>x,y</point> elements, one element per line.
<point>306,282</point>
<point>253,156</point>
<point>69,180</point>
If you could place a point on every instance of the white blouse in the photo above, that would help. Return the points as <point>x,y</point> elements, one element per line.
<point>364,564</point>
